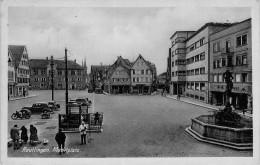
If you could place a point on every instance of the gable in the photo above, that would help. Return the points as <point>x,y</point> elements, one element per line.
<point>120,72</point>
<point>140,63</point>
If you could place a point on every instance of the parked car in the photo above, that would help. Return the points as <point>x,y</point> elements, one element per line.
<point>39,107</point>
<point>98,91</point>
<point>53,105</point>
<point>82,100</point>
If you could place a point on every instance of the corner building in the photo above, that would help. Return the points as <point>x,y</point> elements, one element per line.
<point>190,61</point>
<point>232,50</point>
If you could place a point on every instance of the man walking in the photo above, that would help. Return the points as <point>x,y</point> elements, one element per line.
<point>15,136</point>
<point>60,139</point>
<point>83,132</point>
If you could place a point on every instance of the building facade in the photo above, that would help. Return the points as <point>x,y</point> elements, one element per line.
<point>190,61</point>
<point>119,78</point>
<point>142,76</point>
<point>232,50</point>
<point>98,76</point>
<point>19,84</point>
<point>11,76</point>
<point>41,74</point>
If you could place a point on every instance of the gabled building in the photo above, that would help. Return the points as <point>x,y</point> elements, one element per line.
<point>41,74</point>
<point>119,77</point>
<point>20,63</point>
<point>142,75</point>
<point>11,76</point>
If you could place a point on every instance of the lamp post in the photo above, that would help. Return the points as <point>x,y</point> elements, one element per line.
<point>66,81</point>
<point>52,85</point>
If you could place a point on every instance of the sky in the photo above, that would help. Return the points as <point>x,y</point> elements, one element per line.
<point>102,34</point>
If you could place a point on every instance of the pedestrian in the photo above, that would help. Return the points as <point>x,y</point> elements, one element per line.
<point>15,136</point>
<point>60,139</point>
<point>24,136</point>
<point>83,132</point>
<point>33,132</point>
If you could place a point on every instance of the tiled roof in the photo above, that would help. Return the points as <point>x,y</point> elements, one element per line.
<point>42,63</point>
<point>38,63</point>
<point>125,63</point>
<point>17,52</point>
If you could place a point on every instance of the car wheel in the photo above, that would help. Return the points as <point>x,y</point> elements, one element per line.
<point>27,116</point>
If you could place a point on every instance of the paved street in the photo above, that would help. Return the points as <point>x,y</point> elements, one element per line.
<point>134,126</point>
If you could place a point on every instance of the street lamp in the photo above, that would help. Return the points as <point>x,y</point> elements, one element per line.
<point>52,85</point>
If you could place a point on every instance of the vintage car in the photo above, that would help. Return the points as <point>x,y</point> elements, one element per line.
<point>53,105</point>
<point>83,100</point>
<point>39,107</point>
<point>98,91</point>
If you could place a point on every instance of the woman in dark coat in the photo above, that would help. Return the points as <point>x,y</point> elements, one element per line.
<point>33,131</point>
<point>24,135</point>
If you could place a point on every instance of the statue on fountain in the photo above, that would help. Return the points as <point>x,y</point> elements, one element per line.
<point>227,117</point>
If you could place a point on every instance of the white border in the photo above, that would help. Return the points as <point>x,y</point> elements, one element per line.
<point>253,4</point>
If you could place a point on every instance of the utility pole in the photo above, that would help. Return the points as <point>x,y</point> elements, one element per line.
<point>66,80</point>
<point>52,84</point>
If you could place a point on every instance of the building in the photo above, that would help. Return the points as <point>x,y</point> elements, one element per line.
<point>190,61</point>
<point>142,75</point>
<point>98,76</point>
<point>232,50</point>
<point>19,82</point>
<point>168,70</point>
<point>119,77</point>
<point>11,76</point>
<point>41,75</point>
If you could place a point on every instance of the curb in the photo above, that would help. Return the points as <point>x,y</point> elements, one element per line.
<point>194,103</point>
<point>20,98</point>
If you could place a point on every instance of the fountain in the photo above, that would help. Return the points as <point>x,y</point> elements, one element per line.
<point>225,127</point>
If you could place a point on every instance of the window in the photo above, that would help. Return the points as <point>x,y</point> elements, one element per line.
<point>172,73</point>
<point>42,72</point>
<point>193,86</point>
<point>218,63</point>
<point>197,44</point>
<point>188,72</point>
<point>73,72</point>
<point>172,53</point>
<point>36,79</point>
<point>229,61</point>
<point>173,64</point>
<point>79,79</point>
<point>43,79</point>
<point>133,71</point>
<point>146,79</point>
<point>244,60</point>
<point>227,46</point>
<point>220,78</point>
<point>202,41</point>
<point>181,62</point>
<point>202,86</point>
<point>238,77</point>
<point>244,77</point>
<point>197,71</point>
<point>202,70</point>
<point>137,79</point>
<point>214,64</point>
<point>238,60</point>
<point>191,59</point>
<point>59,72</point>
<point>216,47</point>
<point>188,85</point>
<point>147,71</point>
<point>79,72</point>
<point>197,86</point>
<point>192,47</point>
<point>215,78</point>
<point>142,71</point>
<point>223,61</point>
<point>202,56</point>
<point>242,40</point>
<point>192,72</point>
<point>197,58</point>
